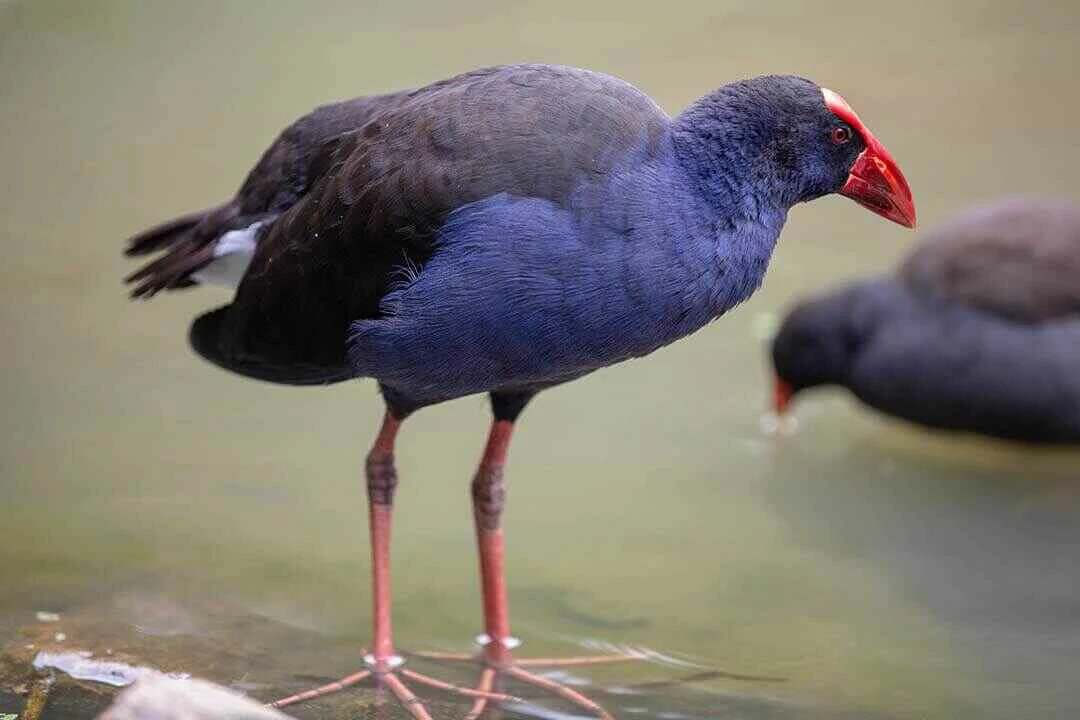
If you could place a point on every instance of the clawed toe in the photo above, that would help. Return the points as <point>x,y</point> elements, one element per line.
<point>337,685</point>
<point>516,670</point>
<point>390,680</point>
<point>483,694</point>
<point>559,689</point>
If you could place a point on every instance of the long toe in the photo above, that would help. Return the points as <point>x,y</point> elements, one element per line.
<point>516,669</point>
<point>559,689</point>
<point>337,685</point>
<point>393,680</point>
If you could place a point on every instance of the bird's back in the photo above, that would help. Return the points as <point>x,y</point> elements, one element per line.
<point>355,192</point>
<point>1019,260</point>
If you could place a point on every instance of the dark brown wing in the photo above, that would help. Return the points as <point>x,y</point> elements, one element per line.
<point>283,175</point>
<point>1019,259</point>
<point>537,131</point>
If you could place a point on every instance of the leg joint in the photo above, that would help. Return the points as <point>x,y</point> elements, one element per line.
<point>489,495</point>
<point>382,478</point>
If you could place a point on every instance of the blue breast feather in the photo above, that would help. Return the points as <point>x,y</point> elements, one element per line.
<point>521,292</point>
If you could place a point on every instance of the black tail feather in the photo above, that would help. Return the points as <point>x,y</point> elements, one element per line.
<point>187,245</point>
<point>164,235</point>
<point>205,337</point>
<point>170,271</point>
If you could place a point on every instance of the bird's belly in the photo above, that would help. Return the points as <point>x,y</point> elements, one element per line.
<point>436,351</point>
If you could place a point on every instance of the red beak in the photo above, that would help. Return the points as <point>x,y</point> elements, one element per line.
<point>875,181</point>
<point>782,395</point>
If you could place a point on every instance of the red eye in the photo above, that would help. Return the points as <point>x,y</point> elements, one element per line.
<point>840,134</point>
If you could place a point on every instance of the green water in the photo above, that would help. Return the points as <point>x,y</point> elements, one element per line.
<point>215,525</point>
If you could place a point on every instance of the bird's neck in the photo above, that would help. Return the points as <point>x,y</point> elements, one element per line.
<point>732,208</point>
<point>740,248</point>
<point>727,151</point>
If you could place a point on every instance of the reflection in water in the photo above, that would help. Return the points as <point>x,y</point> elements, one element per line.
<point>195,522</point>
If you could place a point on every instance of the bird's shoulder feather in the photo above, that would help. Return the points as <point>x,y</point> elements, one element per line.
<point>375,194</point>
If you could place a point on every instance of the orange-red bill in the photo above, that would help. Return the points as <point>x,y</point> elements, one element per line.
<point>782,394</point>
<point>875,180</point>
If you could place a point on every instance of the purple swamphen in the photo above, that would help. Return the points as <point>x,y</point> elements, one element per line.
<point>978,331</point>
<point>503,231</point>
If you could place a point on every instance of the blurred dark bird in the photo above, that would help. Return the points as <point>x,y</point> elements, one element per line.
<point>978,331</point>
<point>503,231</point>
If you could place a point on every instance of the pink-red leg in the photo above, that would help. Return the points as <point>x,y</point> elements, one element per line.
<point>488,492</point>
<point>489,495</point>
<point>381,484</point>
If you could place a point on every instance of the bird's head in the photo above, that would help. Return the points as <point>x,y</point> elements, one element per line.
<point>795,141</point>
<point>817,344</point>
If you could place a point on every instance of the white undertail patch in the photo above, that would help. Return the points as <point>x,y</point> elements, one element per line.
<point>232,256</point>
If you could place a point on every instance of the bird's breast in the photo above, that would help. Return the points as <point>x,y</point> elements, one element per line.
<point>523,292</point>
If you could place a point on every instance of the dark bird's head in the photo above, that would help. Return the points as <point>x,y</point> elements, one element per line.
<point>818,342</point>
<point>788,140</point>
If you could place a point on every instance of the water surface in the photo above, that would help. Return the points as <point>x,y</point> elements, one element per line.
<point>202,523</point>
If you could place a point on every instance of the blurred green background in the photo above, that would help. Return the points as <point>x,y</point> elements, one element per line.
<point>886,571</point>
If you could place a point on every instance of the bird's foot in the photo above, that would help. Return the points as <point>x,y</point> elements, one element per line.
<point>389,673</point>
<point>496,658</point>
